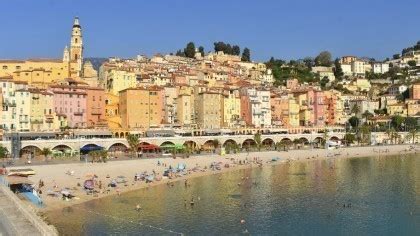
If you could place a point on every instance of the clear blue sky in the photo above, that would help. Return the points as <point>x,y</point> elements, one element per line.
<point>283,29</point>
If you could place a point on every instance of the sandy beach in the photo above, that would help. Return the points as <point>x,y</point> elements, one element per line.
<point>56,177</point>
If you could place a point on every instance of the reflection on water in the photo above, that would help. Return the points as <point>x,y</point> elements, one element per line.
<point>357,196</point>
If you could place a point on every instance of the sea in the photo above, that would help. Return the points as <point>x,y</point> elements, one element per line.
<point>350,196</point>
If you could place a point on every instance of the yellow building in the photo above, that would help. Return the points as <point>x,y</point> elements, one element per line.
<point>231,104</point>
<point>184,109</point>
<point>293,112</point>
<point>413,107</point>
<point>42,115</point>
<point>118,80</point>
<point>396,109</point>
<point>141,107</point>
<point>41,72</point>
<point>209,110</point>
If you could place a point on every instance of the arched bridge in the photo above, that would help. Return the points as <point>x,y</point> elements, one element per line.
<point>191,141</point>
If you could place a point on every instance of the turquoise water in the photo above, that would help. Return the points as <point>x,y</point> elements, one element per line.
<point>381,195</point>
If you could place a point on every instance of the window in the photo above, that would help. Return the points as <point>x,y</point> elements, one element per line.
<point>4,67</point>
<point>17,67</point>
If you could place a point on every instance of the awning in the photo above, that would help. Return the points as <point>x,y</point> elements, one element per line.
<point>18,180</point>
<point>89,148</point>
<point>148,147</point>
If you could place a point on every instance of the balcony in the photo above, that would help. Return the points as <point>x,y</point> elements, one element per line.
<point>78,113</point>
<point>36,121</point>
<point>96,112</point>
<point>23,121</point>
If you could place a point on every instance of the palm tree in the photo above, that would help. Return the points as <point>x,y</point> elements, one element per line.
<point>365,131</point>
<point>3,152</point>
<point>216,144</point>
<point>355,109</point>
<point>257,139</point>
<point>389,134</point>
<point>296,142</point>
<point>46,152</point>
<point>133,142</point>
<point>413,134</point>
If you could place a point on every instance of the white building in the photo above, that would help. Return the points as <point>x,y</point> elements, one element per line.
<point>260,107</point>
<point>358,67</point>
<point>380,68</point>
<point>16,105</point>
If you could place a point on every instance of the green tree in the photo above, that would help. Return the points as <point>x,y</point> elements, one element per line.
<point>46,152</point>
<point>396,56</point>
<point>246,55</point>
<point>180,53</point>
<point>323,59</point>
<point>236,50</point>
<point>413,134</point>
<point>366,133</point>
<point>396,122</point>
<point>324,81</point>
<point>133,142</point>
<point>309,62</point>
<point>189,51</point>
<point>411,122</point>
<point>412,63</point>
<point>338,71</point>
<point>201,50</point>
<point>349,138</point>
<point>354,122</point>
<point>355,109</point>
<point>366,115</point>
<point>3,153</point>
<point>296,142</point>
<point>257,139</point>
<point>216,143</point>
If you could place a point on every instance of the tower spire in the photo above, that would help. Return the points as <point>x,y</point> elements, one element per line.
<point>76,21</point>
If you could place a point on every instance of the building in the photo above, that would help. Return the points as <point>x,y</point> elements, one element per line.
<point>95,107</point>
<point>42,72</point>
<point>119,80</point>
<point>415,91</point>
<point>209,110</point>
<point>141,108</point>
<point>43,117</point>
<point>380,68</point>
<point>231,104</point>
<point>71,101</point>
<point>256,107</point>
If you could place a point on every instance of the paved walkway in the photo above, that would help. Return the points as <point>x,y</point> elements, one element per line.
<point>12,222</point>
<point>16,220</point>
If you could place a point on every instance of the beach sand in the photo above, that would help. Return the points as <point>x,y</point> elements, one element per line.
<point>55,177</point>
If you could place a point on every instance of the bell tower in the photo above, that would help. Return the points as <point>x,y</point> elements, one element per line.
<point>76,46</point>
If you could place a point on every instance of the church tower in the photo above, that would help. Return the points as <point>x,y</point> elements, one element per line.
<point>76,46</point>
<point>66,55</point>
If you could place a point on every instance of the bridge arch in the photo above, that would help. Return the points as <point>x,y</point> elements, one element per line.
<point>62,148</point>
<point>117,147</point>
<point>304,140</point>
<point>267,142</point>
<point>248,143</point>
<point>210,145</point>
<point>334,138</point>
<point>229,142</point>
<point>167,143</point>
<point>30,149</point>
<point>192,145</point>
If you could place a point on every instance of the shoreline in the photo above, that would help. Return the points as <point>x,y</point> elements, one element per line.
<point>57,176</point>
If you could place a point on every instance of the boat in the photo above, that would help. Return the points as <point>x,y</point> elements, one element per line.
<point>21,172</point>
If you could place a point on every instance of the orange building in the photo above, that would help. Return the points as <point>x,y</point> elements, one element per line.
<point>141,107</point>
<point>415,91</point>
<point>95,106</point>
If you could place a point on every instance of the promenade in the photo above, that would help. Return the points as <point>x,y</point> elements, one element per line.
<point>16,220</point>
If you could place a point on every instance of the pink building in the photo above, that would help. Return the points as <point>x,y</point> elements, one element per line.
<point>319,108</point>
<point>95,106</point>
<point>70,101</point>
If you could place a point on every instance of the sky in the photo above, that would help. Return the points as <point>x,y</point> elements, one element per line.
<point>289,29</point>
